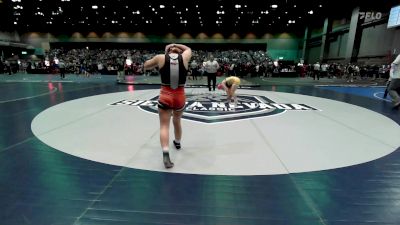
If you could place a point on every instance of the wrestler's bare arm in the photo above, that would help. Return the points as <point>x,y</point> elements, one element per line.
<point>153,62</point>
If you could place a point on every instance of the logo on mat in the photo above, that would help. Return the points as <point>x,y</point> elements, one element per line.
<point>208,108</point>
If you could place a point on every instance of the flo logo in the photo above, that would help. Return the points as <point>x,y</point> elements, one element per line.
<point>208,108</point>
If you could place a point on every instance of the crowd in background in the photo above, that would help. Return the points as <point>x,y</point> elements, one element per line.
<point>345,71</point>
<point>232,62</point>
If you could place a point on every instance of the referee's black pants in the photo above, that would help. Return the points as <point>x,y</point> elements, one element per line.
<point>211,77</point>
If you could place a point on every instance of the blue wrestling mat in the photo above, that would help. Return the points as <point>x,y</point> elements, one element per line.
<point>370,92</point>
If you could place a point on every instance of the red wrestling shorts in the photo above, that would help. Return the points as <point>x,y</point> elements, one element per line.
<point>174,99</point>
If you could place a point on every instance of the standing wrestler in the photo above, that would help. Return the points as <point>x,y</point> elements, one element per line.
<point>230,85</point>
<point>173,67</point>
<point>394,86</point>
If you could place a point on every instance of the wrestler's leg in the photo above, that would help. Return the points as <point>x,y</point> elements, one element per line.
<point>177,115</point>
<point>165,117</point>
<point>228,95</point>
<point>233,93</point>
<point>176,119</point>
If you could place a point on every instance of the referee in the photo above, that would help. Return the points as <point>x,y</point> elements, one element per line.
<point>211,67</point>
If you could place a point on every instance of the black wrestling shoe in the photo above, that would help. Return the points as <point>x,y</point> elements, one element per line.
<point>167,161</point>
<point>177,145</point>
